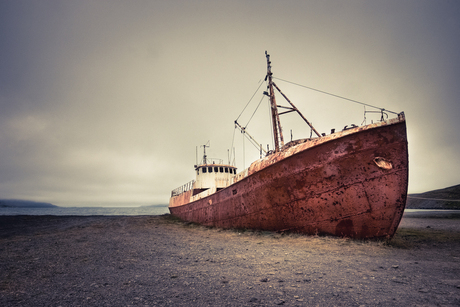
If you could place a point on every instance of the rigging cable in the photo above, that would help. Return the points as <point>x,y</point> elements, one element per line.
<point>244,154</point>
<point>355,101</point>
<point>254,111</point>
<point>233,140</point>
<point>260,83</point>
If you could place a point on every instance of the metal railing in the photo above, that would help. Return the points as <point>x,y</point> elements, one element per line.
<point>183,188</point>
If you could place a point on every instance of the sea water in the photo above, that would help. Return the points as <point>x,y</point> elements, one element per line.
<point>161,209</point>
<point>145,210</point>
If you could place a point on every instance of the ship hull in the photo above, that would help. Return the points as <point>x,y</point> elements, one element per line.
<point>352,184</point>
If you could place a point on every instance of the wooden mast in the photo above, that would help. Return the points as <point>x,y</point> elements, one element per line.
<point>277,131</point>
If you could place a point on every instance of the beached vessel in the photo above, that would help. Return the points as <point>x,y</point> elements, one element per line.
<point>350,183</point>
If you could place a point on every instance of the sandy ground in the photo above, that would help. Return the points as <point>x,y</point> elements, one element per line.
<point>159,261</point>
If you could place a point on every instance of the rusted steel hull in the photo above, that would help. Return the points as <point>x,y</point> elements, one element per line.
<point>352,183</point>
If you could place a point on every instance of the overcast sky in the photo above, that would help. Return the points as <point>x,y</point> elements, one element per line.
<point>104,102</point>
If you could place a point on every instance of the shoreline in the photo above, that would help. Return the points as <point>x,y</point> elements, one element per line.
<point>160,261</point>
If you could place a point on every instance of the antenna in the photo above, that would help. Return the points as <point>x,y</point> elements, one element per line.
<point>204,152</point>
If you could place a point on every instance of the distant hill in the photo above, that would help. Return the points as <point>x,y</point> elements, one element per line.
<point>447,198</point>
<point>17,203</point>
<point>158,205</point>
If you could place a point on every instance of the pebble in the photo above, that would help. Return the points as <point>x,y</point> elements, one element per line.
<point>203,283</point>
<point>279,302</point>
<point>423,290</point>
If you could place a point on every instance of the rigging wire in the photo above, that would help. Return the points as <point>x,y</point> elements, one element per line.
<point>252,142</point>
<point>233,140</point>
<point>244,134</point>
<point>244,154</point>
<point>254,111</point>
<point>341,97</point>
<point>260,84</point>
<point>307,87</point>
<point>257,146</point>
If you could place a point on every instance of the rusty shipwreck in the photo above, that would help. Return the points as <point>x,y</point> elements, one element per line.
<point>350,183</point>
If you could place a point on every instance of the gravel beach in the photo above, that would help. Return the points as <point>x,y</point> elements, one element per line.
<point>160,261</point>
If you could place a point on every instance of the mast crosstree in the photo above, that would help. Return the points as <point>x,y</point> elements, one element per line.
<point>277,130</point>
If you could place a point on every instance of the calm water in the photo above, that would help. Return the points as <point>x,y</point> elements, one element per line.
<point>154,210</point>
<point>159,210</point>
<point>431,213</point>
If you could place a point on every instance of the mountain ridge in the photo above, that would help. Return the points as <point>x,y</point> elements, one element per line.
<point>19,203</point>
<point>446,198</point>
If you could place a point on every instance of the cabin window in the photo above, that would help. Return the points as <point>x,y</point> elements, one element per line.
<point>204,169</point>
<point>221,169</point>
<point>234,171</point>
<point>216,169</point>
<point>198,171</point>
<point>226,169</point>
<point>210,169</point>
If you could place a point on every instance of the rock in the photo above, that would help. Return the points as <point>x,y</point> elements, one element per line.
<point>423,290</point>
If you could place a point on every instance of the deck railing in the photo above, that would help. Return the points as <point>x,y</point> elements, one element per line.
<point>183,188</point>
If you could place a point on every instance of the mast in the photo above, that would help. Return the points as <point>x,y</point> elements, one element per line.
<point>277,131</point>
<point>205,160</point>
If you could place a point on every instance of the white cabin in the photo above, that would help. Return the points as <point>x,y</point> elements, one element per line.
<point>213,177</point>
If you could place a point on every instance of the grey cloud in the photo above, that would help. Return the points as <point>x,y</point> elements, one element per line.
<point>107,100</point>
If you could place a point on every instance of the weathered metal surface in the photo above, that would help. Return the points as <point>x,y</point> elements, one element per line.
<point>276,124</point>
<point>339,185</point>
